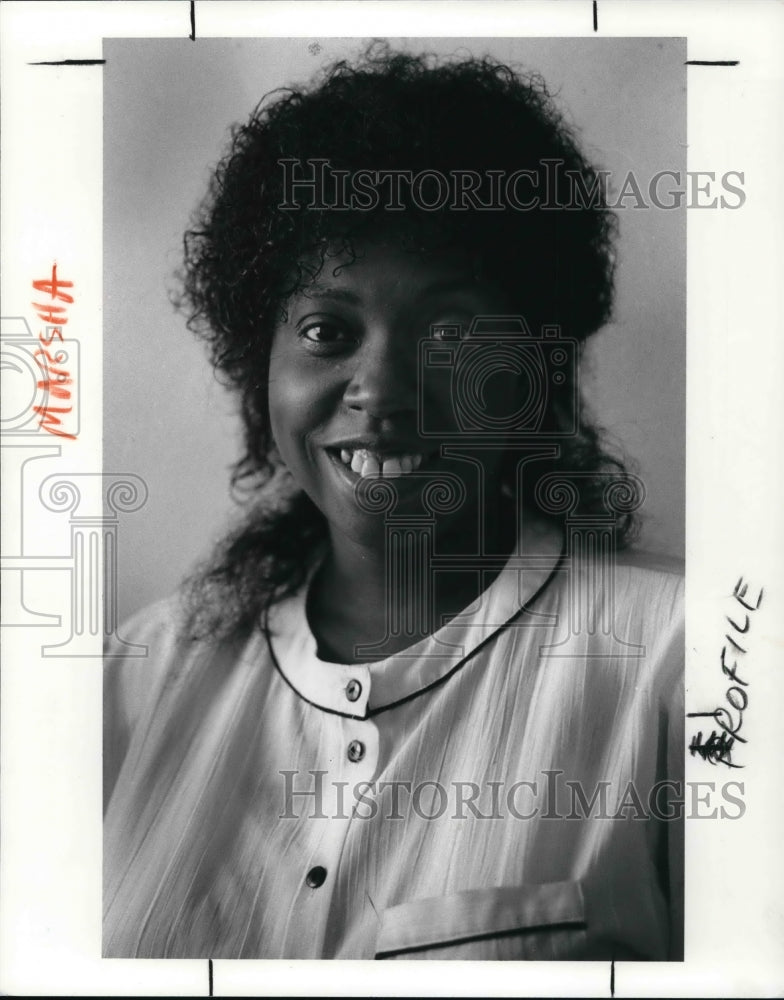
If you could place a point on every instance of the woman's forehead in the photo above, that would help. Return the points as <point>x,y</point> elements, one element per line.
<point>343,271</point>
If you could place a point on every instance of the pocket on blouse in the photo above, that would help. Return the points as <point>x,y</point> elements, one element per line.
<point>479,914</point>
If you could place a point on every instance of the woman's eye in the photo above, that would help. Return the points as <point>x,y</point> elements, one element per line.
<point>448,331</point>
<point>325,333</point>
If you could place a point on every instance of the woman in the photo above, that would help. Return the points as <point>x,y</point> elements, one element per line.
<point>419,704</point>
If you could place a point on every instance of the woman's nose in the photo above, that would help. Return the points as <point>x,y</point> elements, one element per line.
<point>384,380</point>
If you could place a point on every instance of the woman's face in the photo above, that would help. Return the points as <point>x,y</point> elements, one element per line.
<point>352,395</point>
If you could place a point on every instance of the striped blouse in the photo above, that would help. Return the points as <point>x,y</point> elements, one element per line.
<point>504,789</point>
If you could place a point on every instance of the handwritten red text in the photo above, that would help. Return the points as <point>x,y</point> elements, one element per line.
<point>56,381</point>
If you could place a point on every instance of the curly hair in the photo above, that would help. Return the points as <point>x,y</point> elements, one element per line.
<point>245,256</point>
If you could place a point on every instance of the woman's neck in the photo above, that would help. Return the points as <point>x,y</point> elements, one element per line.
<point>355,599</point>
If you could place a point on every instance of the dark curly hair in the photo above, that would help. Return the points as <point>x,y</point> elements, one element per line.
<point>245,256</point>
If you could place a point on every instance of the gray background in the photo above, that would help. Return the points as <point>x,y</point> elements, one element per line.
<point>168,105</point>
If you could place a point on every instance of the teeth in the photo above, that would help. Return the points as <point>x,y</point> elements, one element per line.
<point>393,467</point>
<point>365,463</point>
<point>370,467</point>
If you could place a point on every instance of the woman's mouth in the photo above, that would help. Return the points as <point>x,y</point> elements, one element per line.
<point>364,462</point>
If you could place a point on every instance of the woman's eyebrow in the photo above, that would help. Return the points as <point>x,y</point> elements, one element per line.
<point>450,285</point>
<point>319,291</point>
<point>446,286</point>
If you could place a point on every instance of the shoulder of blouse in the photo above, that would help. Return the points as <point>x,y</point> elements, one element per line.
<point>651,562</point>
<point>154,622</point>
<point>148,658</point>
<point>650,589</point>
<point>151,649</point>
<point>656,580</point>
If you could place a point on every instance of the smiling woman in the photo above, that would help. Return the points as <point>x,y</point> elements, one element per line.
<point>429,594</point>
<point>344,397</point>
